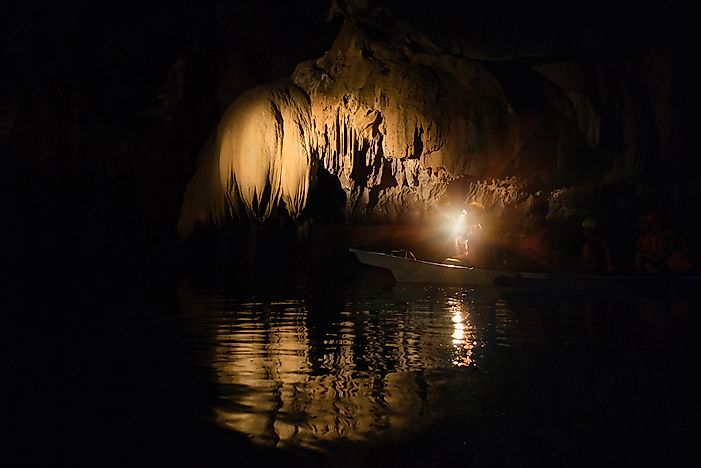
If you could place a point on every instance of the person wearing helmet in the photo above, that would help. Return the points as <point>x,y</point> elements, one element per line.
<point>595,256</point>
<point>469,236</point>
<point>660,249</point>
<point>648,247</point>
<point>537,249</point>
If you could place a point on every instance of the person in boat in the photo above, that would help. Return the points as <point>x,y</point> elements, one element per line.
<point>538,244</point>
<point>469,238</point>
<point>535,247</point>
<point>660,250</point>
<point>595,256</point>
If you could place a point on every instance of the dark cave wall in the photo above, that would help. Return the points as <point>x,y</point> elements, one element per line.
<point>398,119</point>
<point>105,107</point>
<point>103,112</point>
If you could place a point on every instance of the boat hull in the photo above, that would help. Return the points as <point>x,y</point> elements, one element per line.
<point>409,270</point>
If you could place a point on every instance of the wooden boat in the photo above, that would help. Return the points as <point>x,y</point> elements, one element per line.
<point>407,269</point>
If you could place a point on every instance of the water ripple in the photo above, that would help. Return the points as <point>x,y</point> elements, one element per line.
<point>307,370</point>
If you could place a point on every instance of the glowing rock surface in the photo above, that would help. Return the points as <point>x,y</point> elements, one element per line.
<point>262,155</point>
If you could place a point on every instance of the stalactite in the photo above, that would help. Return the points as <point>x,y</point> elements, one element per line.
<point>397,125</point>
<point>379,104</point>
<point>263,155</point>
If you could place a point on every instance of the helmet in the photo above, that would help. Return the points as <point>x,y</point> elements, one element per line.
<point>476,208</point>
<point>589,223</point>
<point>653,218</point>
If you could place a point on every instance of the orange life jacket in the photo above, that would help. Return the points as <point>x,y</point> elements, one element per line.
<point>535,242</point>
<point>651,243</point>
<point>595,256</point>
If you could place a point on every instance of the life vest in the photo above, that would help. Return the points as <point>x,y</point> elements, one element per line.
<point>595,256</point>
<point>678,262</point>
<point>535,242</point>
<point>667,248</point>
<point>675,249</point>
<point>651,244</point>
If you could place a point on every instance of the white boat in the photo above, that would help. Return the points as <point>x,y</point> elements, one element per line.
<point>407,269</point>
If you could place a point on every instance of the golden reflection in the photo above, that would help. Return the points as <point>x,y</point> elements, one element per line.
<point>458,328</point>
<point>286,396</point>
<point>463,335</point>
<point>284,382</point>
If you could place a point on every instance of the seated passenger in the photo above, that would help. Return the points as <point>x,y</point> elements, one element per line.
<point>596,255</point>
<point>660,250</point>
<point>538,244</point>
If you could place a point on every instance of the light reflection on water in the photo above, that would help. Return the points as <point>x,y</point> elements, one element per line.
<point>309,370</point>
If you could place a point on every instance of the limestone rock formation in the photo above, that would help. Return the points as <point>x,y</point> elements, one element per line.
<point>263,155</point>
<point>401,122</point>
<point>396,119</point>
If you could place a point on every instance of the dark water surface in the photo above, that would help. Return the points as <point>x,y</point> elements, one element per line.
<point>438,376</point>
<point>188,373</point>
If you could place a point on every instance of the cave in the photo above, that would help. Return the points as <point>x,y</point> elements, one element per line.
<point>245,146</point>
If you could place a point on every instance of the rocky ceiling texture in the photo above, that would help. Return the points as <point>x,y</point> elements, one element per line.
<point>113,117</point>
<point>408,124</point>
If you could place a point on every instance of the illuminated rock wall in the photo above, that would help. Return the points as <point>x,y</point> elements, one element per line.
<point>401,122</point>
<point>261,156</point>
<point>397,119</point>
